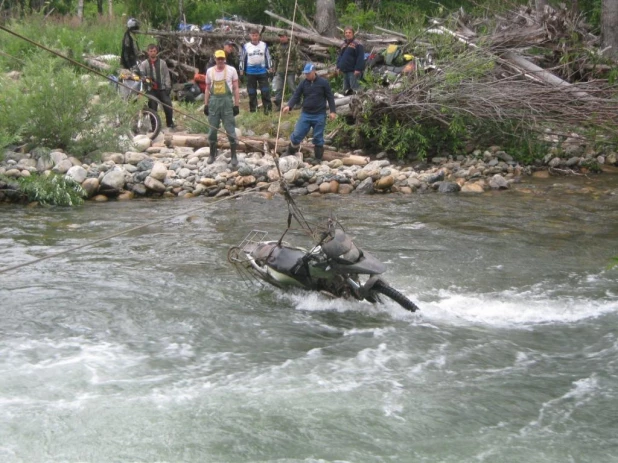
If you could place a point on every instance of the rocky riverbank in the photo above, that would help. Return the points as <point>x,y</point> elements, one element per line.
<point>161,171</point>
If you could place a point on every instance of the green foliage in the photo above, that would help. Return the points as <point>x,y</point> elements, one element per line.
<point>613,264</point>
<point>52,189</point>
<point>358,18</point>
<point>62,34</point>
<point>51,105</point>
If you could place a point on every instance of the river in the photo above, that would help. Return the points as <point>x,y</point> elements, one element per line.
<point>147,347</point>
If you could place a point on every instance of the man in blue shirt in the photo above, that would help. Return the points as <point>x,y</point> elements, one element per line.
<point>351,61</point>
<point>316,92</point>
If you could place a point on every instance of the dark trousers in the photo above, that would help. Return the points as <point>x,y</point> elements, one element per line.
<point>255,82</point>
<point>164,97</point>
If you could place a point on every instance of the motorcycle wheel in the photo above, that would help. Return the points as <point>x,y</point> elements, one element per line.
<point>392,293</point>
<point>147,122</point>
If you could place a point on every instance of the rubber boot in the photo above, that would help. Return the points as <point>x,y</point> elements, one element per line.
<point>213,154</point>
<point>234,161</point>
<point>291,151</point>
<point>319,152</point>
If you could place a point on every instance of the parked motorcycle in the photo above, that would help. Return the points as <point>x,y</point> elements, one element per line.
<point>333,267</point>
<point>146,121</point>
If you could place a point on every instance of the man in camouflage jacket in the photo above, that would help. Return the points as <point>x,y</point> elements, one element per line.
<point>280,57</point>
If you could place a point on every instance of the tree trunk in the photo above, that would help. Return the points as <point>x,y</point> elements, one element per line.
<point>100,7</point>
<point>110,9</point>
<point>325,18</point>
<point>80,10</point>
<point>609,27</point>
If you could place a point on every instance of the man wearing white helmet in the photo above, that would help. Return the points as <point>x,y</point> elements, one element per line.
<point>129,56</point>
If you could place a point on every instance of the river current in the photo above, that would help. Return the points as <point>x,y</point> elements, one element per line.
<point>148,347</point>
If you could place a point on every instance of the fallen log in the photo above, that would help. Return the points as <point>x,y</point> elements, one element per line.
<point>309,37</point>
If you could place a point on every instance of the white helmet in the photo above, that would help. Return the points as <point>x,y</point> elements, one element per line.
<point>133,23</point>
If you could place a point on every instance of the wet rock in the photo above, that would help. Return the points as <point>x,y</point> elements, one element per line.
<point>498,182</point>
<point>113,180</point>
<point>158,171</point>
<point>385,183</point>
<point>448,187</point>
<point>154,185</point>
<point>77,173</point>
<point>472,188</point>
<point>365,187</point>
<point>91,186</point>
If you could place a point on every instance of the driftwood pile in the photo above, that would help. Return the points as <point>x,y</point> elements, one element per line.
<point>189,51</point>
<point>517,73</point>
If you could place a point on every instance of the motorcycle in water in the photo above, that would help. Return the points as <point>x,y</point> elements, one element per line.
<point>333,267</point>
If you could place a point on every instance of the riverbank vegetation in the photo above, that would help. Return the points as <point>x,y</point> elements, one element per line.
<point>48,101</point>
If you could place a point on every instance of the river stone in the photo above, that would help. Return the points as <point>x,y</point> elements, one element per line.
<point>345,189</point>
<point>365,187</point>
<point>182,173</point>
<point>154,185</point>
<point>272,175</point>
<point>472,188</point>
<point>291,175</point>
<point>91,186</point>
<point>448,187</point>
<point>245,169</point>
<point>202,152</point>
<point>435,177</point>
<point>611,158</point>
<point>158,171</point>
<point>140,176</point>
<point>141,143</point>
<point>324,187</point>
<point>498,182</point>
<point>13,173</point>
<point>144,165</point>
<point>312,188</point>
<point>57,157</point>
<point>44,163</point>
<point>62,167</point>
<point>554,162</point>
<point>287,163</point>
<point>132,157</point>
<point>77,173</point>
<point>139,189</point>
<point>100,198</point>
<point>116,158</point>
<point>385,182</point>
<point>114,180</point>
<point>126,195</point>
<point>25,163</point>
<point>245,181</point>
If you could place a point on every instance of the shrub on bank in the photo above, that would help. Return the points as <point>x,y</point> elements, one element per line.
<point>52,105</point>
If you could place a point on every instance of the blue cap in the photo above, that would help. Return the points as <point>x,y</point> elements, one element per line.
<point>308,68</point>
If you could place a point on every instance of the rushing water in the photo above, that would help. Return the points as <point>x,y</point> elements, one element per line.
<point>147,347</point>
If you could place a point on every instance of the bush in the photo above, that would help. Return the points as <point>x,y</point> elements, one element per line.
<point>52,189</point>
<point>52,105</point>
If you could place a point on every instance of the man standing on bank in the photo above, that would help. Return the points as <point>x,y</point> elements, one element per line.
<point>221,100</point>
<point>255,62</point>
<point>316,92</point>
<point>351,61</point>
<point>156,68</point>
<point>283,67</point>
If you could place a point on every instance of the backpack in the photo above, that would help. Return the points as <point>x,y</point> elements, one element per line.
<point>391,54</point>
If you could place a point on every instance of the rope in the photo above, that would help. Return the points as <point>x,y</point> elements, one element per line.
<point>106,238</point>
<point>293,209</point>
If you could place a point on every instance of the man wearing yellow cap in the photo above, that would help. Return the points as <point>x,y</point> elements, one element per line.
<point>221,100</point>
